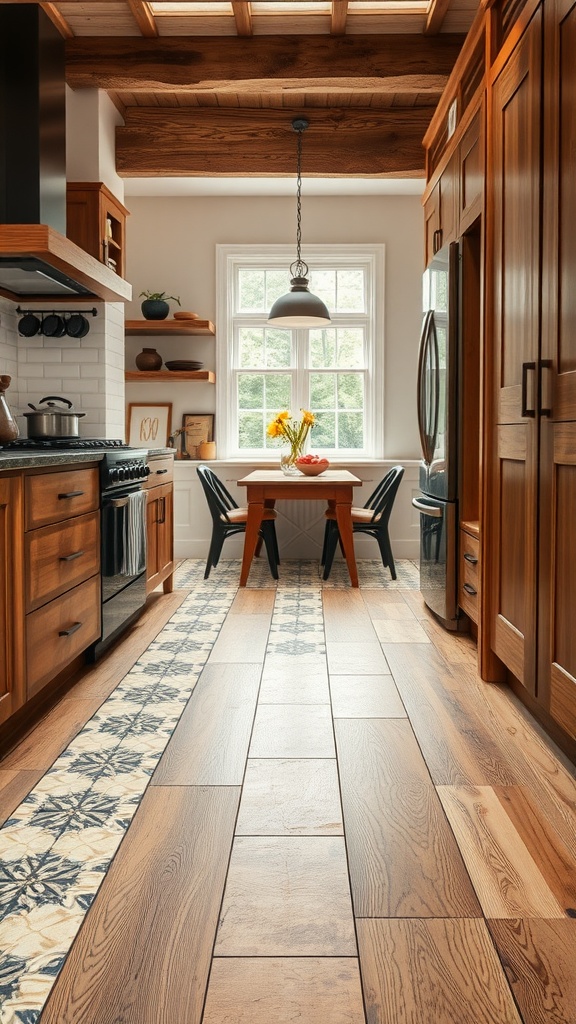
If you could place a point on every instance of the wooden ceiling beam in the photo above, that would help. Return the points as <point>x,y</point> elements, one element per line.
<point>436,13</point>
<point>133,64</point>
<point>58,20</point>
<point>203,142</point>
<point>338,17</point>
<point>142,14</point>
<point>242,11</point>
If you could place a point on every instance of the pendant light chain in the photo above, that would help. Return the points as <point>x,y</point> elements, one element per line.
<point>299,268</point>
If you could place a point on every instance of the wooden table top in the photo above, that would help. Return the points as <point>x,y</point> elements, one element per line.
<point>276,476</point>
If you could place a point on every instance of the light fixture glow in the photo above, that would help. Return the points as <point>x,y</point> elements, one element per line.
<point>299,307</point>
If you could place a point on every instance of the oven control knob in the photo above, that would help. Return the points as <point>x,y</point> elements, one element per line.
<point>143,472</point>
<point>113,473</point>
<point>121,473</point>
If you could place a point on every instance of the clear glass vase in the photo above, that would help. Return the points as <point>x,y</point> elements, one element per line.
<point>288,455</point>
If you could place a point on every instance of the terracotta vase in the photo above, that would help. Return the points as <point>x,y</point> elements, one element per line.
<point>8,426</point>
<point>148,359</point>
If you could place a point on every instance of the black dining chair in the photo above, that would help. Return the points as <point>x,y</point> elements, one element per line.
<point>228,518</point>
<point>372,519</point>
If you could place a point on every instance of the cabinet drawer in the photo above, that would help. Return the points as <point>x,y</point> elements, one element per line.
<point>61,556</point>
<point>58,632</point>
<point>469,575</point>
<point>51,497</point>
<point>161,471</point>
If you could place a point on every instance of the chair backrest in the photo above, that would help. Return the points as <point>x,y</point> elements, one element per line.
<point>220,501</point>
<point>382,499</point>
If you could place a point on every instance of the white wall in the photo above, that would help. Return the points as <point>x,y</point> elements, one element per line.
<point>91,119</point>
<point>171,248</point>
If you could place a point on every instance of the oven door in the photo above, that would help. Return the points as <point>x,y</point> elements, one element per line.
<point>123,539</point>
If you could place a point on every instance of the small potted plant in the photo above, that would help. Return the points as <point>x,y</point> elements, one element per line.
<point>155,305</point>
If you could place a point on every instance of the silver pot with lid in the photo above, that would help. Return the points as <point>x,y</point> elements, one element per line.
<point>52,421</point>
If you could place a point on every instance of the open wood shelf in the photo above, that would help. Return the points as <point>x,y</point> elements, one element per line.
<point>141,375</point>
<point>167,327</point>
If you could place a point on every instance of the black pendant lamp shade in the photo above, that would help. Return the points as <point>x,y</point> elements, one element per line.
<point>299,307</point>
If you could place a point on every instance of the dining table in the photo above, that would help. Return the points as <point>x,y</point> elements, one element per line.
<point>264,487</point>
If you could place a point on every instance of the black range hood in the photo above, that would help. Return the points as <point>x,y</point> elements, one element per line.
<point>37,261</point>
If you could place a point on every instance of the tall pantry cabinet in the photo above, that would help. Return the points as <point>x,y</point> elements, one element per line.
<point>531,359</point>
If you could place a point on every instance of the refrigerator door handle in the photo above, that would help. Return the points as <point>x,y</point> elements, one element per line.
<point>427,510</point>
<point>427,430</point>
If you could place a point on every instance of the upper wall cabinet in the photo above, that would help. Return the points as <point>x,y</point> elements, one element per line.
<point>96,221</point>
<point>456,199</point>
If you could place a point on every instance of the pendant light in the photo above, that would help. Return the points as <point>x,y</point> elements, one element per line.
<point>299,308</point>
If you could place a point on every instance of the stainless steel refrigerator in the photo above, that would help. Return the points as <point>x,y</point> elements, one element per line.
<point>438,425</point>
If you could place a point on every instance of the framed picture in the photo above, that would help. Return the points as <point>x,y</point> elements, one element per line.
<point>196,428</point>
<point>149,425</point>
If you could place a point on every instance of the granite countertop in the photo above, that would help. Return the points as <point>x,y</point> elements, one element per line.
<point>33,460</point>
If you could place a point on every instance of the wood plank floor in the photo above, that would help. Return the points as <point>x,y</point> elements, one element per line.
<point>366,835</point>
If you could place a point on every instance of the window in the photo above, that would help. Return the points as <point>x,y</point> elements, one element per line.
<point>336,371</point>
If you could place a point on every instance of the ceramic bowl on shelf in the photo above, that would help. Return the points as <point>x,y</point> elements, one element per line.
<point>184,315</point>
<point>183,364</point>
<point>312,468</point>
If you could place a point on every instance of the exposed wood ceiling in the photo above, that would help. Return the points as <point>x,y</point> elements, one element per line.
<point>212,88</point>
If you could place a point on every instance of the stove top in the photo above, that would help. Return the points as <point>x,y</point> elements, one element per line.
<point>64,443</point>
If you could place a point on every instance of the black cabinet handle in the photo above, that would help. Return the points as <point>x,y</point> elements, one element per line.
<point>70,494</point>
<point>70,558</point>
<point>159,472</point>
<point>469,589</point>
<point>68,632</point>
<point>437,240</point>
<point>163,513</point>
<point>545,410</point>
<point>470,558</point>
<point>526,367</point>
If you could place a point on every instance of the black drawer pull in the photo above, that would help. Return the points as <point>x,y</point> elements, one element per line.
<point>470,589</point>
<point>159,472</point>
<point>470,558</point>
<point>68,632</point>
<point>70,558</point>
<point>70,494</point>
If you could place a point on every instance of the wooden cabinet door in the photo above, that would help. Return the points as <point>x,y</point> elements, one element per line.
<point>471,172</point>
<point>160,536</point>
<point>513,281</point>
<point>12,683</point>
<point>432,224</point>
<point>449,201</point>
<point>557,612</point>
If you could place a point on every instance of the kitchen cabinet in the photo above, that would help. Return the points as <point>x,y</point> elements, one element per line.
<point>469,569</point>
<point>96,221</point>
<point>471,174</point>
<point>533,347</point>
<point>159,487</point>
<point>12,681</point>
<point>440,210</point>
<point>62,570</point>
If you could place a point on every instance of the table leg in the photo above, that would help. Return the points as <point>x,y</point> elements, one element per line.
<point>344,520</point>
<point>253,523</point>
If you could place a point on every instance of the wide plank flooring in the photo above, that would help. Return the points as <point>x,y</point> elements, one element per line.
<point>346,826</point>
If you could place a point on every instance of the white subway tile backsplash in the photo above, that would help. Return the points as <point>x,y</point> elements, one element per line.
<point>42,355</point>
<point>79,385</point>
<point>93,370</point>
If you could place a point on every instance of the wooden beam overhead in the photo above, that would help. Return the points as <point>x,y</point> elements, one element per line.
<point>142,14</point>
<point>203,142</point>
<point>338,17</point>
<point>132,64</point>
<point>58,20</point>
<point>242,11</point>
<point>436,13</point>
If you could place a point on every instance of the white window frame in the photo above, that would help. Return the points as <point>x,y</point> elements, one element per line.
<point>231,258</point>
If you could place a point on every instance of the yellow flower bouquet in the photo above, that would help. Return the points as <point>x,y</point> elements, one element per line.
<point>294,433</point>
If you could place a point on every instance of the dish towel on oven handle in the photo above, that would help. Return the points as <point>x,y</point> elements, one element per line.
<point>134,559</point>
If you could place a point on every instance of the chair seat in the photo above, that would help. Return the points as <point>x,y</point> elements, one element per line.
<point>359,515</point>
<point>240,515</point>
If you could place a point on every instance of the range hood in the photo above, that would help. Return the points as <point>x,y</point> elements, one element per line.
<point>39,264</point>
<point>37,261</point>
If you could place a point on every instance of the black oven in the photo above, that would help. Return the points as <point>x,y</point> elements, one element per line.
<point>123,542</point>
